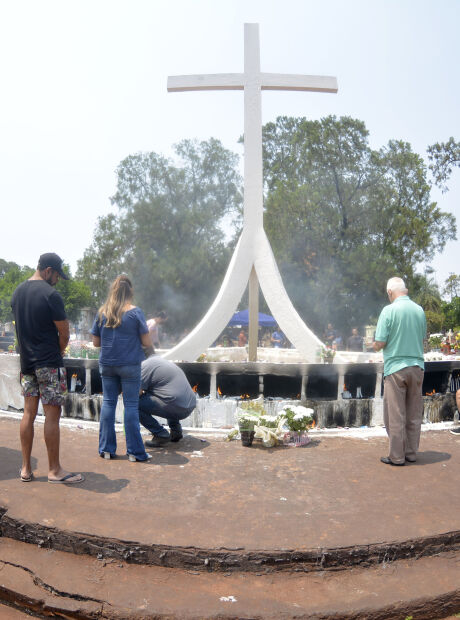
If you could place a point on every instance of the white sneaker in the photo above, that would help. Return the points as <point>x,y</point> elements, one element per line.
<point>133,459</point>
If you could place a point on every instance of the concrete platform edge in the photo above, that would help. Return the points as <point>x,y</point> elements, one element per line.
<point>225,559</point>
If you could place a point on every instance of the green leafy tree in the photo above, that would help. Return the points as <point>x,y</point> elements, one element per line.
<point>76,295</point>
<point>444,156</point>
<point>168,231</point>
<point>425,292</point>
<point>451,314</point>
<point>452,286</point>
<point>103,261</point>
<point>434,321</point>
<point>342,218</point>
<point>11,275</point>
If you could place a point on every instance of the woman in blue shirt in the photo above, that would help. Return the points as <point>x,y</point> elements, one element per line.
<point>120,330</point>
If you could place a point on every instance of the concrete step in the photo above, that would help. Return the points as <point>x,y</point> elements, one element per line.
<point>11,613</point>
<point>64,585</point>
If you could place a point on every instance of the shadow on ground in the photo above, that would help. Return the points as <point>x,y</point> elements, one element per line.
<point>11,463</point>
<point>97,483</point>
<point>428,457</point>
<point>189,444</point>
<point>165,456</point>
<point>93,482</point>
<point>174,453</point>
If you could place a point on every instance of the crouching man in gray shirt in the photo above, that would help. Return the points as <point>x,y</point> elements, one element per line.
<point>165,392</point>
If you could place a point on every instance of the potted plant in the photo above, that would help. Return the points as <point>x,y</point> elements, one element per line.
<point>298,420</point>
<point>435,343</point>
<point>327,355</point>
<point>246,422</point>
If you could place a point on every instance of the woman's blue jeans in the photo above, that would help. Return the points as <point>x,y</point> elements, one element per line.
<point>125,379</point>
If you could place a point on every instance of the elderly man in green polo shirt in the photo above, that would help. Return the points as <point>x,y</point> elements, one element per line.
<point>401,329</point>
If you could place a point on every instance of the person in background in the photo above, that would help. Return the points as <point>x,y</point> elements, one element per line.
<point>355,341</point>
<point>266,339</point>
<point>400,332</point>
<point>153,324</point>
<point>165,392</point>
<point>277,338</point>
<point>242,339</point>
<point>42,331</point>
<point>330,334</point>
<point>337,343</point>
<point>121,331</point>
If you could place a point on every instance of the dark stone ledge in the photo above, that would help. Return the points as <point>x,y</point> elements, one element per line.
<point>223,559</point>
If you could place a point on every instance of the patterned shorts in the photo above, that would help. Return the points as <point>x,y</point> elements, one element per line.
<point>48,383</point>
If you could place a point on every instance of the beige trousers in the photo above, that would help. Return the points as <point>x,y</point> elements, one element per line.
<point>403,412</point>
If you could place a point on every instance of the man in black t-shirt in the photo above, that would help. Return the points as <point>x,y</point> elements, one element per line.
<point>42,331</point>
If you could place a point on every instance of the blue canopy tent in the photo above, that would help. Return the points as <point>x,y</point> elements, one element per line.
<point>242,318</point>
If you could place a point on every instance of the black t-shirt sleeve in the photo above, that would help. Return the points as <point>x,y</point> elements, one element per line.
<point>56,305</point>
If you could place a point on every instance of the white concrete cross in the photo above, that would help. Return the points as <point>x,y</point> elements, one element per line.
<point>253,254</point>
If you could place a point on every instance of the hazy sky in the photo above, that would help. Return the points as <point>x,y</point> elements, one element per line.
<point>83,85</point>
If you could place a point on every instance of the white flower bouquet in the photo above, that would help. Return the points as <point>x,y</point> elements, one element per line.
<point>269,421</point>
<point>270,430</point>
<point>289,426</point>
<point>298,420</point>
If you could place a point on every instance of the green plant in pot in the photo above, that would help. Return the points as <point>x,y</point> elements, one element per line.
<point>298,420</point>
<point>246,421</point>
<point>435,342</point>
<point>327,355</point>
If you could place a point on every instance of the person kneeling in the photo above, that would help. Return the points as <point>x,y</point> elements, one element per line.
<point>165,392</point>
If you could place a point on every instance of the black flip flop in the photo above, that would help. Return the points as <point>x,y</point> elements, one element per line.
<point>67,479</point>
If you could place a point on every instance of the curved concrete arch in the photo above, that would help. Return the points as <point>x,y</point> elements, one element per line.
<point>252,249</point>
<point>219,314</point>
<point>278,300</point>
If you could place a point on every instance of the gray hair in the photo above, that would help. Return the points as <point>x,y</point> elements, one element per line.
<point>396,285</point>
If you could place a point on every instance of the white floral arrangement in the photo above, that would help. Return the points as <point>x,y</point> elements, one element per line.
<point>247,419</point>
<point>291,421</point>
<point>272,434</point>
<point>327,353</point>
<point>433,356</point>
<point>298,418</point>
<point>269,421</point>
